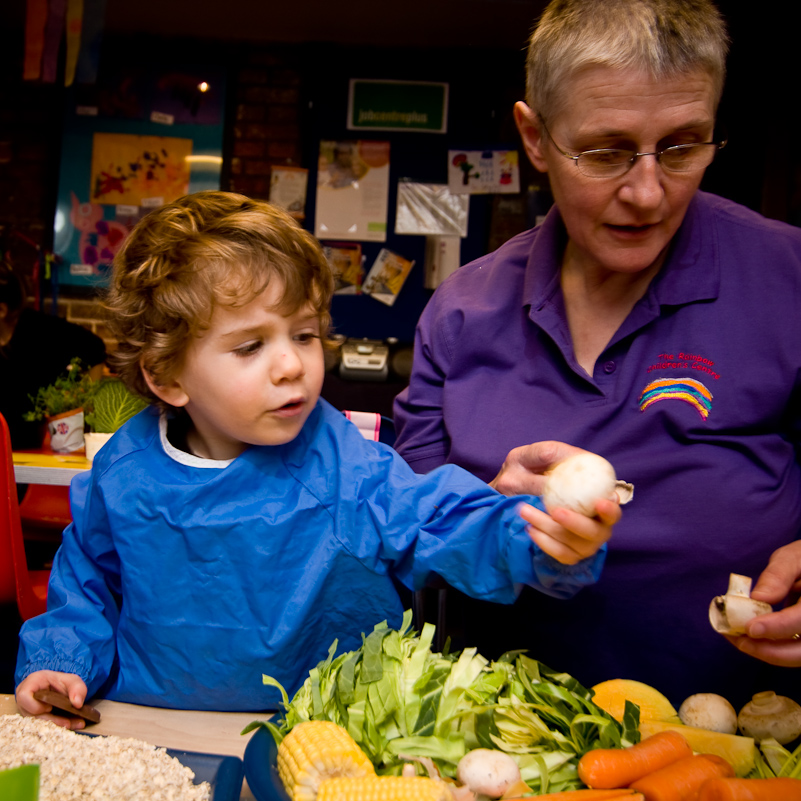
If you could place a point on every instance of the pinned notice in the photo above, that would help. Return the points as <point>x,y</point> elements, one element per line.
<point>476,172</point>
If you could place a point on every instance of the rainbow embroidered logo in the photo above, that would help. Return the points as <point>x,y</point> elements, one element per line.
<point>684,389</point>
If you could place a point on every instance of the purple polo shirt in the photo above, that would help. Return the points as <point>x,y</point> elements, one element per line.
<point>695,401</point>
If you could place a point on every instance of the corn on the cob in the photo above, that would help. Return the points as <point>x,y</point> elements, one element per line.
<point>383,788</point>
<point>316,750</point>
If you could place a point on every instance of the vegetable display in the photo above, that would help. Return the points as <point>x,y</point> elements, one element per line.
<point>683,779</point>
<point>607,768</point>
<point>612,695</point>
<point>397,699</point>
<point>488,771</point>
<point>770,715</point>
<point>750,790</point>
<point>383,788</point>
<point>592,795</point>
<point>709,711</point>
<point>366,723</point>
<point>773,760</point>
<point>315,751</point>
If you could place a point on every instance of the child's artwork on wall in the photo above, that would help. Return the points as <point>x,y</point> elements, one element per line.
<point>346,260</point>
<point>139,170</point>
<point>477,172</point>
<point>142,137</point>
<point>387,276</point>
<point>98,239</point>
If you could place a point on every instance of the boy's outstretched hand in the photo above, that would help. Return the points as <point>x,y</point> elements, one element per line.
<point>569,536</point>
<point>67,683</point>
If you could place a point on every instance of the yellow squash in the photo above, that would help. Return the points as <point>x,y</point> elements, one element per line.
<point>612,695</point>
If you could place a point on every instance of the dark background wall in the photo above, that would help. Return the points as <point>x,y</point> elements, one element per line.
<point>288,66</point>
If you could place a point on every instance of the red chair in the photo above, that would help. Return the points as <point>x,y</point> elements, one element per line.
<point>28,588</point>
<point>46,508</point>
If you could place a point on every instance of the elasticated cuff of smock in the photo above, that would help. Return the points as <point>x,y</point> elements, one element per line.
<point>582,574</point>
<point>59,665</point>
<point>528,564</point>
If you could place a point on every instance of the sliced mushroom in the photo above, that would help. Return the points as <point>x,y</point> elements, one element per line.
<point>729,613</point>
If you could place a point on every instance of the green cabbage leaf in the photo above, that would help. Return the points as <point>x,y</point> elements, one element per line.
<point>112,405</point>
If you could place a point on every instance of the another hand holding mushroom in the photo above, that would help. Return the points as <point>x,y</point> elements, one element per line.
<point>776,637</point>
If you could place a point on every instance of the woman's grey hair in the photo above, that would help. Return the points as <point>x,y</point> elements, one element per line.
<point>663,37</point>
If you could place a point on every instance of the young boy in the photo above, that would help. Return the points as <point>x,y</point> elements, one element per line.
<point>240,524</point>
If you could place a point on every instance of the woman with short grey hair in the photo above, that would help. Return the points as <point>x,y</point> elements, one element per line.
<point>649,322</point>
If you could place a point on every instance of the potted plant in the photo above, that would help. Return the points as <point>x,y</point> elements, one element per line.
<point>61,405</point>
<point>112,404</point>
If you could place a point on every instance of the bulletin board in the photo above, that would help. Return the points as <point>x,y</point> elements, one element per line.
<point>141,139</point>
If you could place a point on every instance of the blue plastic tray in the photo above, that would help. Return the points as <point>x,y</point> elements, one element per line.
<point>223,773</point>
<point>260,768</point>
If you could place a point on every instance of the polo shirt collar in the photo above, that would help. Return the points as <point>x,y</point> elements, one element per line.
<point>691,272</point>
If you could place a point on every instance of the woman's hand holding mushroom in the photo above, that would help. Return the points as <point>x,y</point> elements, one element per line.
<point>524,469</point>
<point>776,637</point>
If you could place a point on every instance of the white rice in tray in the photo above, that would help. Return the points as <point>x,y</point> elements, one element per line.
<point>76,768</point>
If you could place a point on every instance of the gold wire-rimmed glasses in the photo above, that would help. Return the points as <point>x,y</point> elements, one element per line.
<point>612,162</point>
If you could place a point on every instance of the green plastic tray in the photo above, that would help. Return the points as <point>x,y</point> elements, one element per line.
<point>20,784</point>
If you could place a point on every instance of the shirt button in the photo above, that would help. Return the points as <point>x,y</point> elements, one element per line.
<point>610,367</point>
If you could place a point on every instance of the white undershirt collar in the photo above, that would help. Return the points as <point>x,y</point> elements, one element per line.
<point>182,456</point>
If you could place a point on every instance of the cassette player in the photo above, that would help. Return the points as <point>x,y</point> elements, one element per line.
<point>364,360</point>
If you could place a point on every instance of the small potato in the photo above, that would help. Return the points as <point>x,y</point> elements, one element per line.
<point>577,482</point>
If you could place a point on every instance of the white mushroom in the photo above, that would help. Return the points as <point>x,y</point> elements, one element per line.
<point>488,772</point>
<point>729,613</point>
<point>770,715</point>
<point>709,711</point>
<point>578,481</point>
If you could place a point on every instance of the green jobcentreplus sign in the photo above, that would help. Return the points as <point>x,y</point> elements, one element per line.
<point>398,106</point>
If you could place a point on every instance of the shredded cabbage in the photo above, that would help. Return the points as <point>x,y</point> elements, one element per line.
<point>396,696</point>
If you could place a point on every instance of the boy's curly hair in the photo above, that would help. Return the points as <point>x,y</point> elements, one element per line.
<point>185,258</point>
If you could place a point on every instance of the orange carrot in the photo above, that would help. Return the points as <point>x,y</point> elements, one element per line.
<point>619,794</point>
<point>682,780</point>
<point>778,789</point>
<point>619,767</point>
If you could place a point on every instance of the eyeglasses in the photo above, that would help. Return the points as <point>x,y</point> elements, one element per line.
<point>614,162</point>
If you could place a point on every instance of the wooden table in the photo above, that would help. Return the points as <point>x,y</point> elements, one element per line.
<point>185,730</point>
<point>32,467</point>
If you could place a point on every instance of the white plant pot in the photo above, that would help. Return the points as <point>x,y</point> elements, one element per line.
<point>94,442</point>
